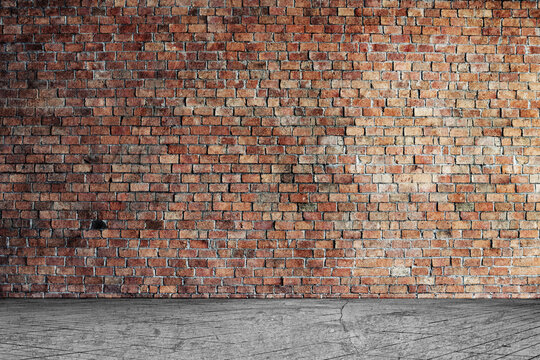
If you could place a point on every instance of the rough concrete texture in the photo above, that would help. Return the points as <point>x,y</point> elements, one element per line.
<point>270,329</point>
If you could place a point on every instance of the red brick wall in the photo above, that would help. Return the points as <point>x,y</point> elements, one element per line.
<point>269,148</point>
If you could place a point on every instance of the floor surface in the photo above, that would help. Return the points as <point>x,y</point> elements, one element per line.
<point>269,329</point>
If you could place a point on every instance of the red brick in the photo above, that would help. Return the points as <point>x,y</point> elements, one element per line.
<point>253,155</point>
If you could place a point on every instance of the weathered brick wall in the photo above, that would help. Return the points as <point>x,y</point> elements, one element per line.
<point>269,148</point>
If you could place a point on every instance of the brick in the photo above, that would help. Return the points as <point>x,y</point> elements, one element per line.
<point>423,112</point>
<point>270,152</point>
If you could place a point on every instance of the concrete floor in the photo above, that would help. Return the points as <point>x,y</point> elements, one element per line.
<point>269,329</point>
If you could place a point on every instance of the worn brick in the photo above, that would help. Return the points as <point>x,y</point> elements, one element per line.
<point>377,149</point>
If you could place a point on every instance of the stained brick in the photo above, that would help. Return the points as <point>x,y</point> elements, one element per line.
<point>255,151</point>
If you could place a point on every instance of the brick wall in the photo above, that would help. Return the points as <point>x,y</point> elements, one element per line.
<point>269,148</point>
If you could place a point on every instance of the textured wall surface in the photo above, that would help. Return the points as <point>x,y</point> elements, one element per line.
<point>269,148</point>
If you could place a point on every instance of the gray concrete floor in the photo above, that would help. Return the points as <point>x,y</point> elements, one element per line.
<point>269,329</point>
